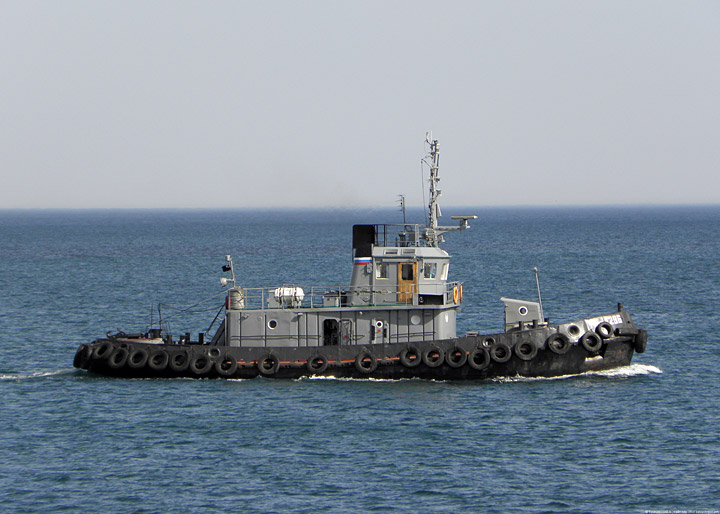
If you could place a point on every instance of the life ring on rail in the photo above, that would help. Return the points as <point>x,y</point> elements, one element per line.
<point>500,352</point>
<point>227,366</point>
<point>558,343</point>
<point>433,357</point>
<point>604,330</point>
<point>180,361</point>
<point>456,357</point>
<point>268,365</point>
<point>365,362</point>
<point>118,358</point>
<point>479,359</point>
<point>456,295</point>
<point>158,360</point>
<point>317,364</point>
<point>460,293</point>
<point>410,357</point>
<point>526,350</point>
<point>138,358</point>
<point>591,341</point>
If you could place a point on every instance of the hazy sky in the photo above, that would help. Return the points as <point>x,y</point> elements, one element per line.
<point>303,103</point>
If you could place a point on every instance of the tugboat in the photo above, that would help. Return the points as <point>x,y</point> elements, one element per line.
<point>395,320</point>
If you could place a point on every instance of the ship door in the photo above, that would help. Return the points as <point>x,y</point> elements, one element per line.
<point>407,279</point>
<point>346,329</point>
<point>331,332</point>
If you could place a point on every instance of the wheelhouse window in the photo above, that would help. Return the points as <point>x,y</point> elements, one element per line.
<point>407,271</point>
<point>430,270</point>
<point>381,270</point>
<point>444,274</point>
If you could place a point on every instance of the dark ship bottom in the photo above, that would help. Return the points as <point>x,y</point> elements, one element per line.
<point>538,352</point>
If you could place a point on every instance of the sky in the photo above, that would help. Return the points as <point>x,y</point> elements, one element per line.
<point>234,104</point>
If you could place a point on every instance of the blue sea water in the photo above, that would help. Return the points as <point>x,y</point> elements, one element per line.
<point>637,439</point>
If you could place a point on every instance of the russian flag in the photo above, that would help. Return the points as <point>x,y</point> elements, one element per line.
<point>361,261</point>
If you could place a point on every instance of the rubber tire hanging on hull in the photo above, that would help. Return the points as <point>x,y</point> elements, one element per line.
<point>83,356</point>
<point>268,365</point>
<point>201,364</point>
<point>158,361</point>
<point>640,341</point>
<point>604,330</point>
<point>317,364</point>
<point>180,361</point>
<point>433,357</point>
<point>138,358</point>
<point>365,362</point>
<point>227,366</point>
<point>500,352</point>
<point>558,343</point>
<point>479,359</point>
<point>410,357</point>
<point>525,350</point>
<point>591,342</point>
<point>118,358</point>
<point>103,351</point>
<point>456,357</point>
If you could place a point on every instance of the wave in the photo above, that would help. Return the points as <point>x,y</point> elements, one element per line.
<point>36,374</point>
<point>633,370</point>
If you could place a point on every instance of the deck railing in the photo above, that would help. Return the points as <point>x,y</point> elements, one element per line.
<point>295,297</point>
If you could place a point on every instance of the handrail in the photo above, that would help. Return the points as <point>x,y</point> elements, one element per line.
<point>295,297</point>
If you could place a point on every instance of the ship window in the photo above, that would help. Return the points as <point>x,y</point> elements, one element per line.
<point>272,324</point>
<point>381,270</point>
<point>444,274</point>
<point>407,271</point>
<point>430,269</point>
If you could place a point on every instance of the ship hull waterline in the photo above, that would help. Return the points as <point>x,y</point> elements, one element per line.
<point>540,352</point>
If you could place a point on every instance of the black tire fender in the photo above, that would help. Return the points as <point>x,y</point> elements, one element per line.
<point>479,359</point>
<point>433,357</point>
<point>500,352</point>
<point>365,362</point>
<point>103,350</point>
<point>138,358</point>
<point>317,364</point>
<point>640,342</point>
<point>268,365</point>
<point>180,361</point>
<point>591,341</point>
<point>158,360</point>
<point>604,330</point>
<point>410,357</point>
<point>83,356</point>
<point>201,364</point>
<point>558,343</point>
<point>526,350</point>
<point>227,366</point>
<point>117,358</point>
<point>456,357</point>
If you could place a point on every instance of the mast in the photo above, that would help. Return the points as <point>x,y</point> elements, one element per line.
<point>433,206</point>
<point>434,232</point>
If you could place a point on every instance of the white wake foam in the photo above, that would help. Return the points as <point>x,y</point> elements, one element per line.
<point>633,370</point>
<point>36,374</point>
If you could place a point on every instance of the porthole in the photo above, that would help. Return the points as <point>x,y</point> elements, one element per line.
<point>272,324</point>
<point>523,311</point>
<point>574,330</point>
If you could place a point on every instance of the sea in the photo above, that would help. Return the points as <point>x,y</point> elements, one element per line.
<point>643,438</point>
